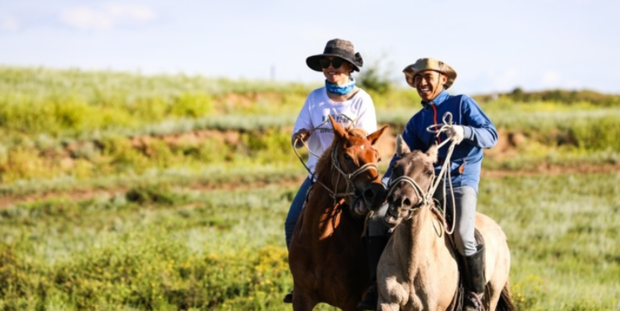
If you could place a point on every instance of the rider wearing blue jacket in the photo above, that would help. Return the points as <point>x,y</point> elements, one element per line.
<point>478,133</point>
<point>472,131</point>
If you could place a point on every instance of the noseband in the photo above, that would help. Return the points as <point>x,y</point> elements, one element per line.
<point>348,177</point>
<point>424,198</point>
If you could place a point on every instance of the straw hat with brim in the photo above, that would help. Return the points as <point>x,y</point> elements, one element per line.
<point>429,63</point>
<point>337,48</point>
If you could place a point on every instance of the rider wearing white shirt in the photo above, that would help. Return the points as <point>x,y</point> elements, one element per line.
<point>340,98</point>
<point>357,111</point>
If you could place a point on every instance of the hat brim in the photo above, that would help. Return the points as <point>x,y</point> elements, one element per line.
<point>313,61</point>
<point>411,71</point>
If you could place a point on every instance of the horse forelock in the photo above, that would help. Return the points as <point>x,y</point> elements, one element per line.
<point>358,132</point>
<point>415,157</point>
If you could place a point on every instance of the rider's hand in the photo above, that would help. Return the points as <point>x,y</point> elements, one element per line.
<point>301,136</point>
<point>455,133</point>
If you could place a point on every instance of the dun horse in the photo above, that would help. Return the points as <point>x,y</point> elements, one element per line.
<point>326,256</point>
<point>418,269</point>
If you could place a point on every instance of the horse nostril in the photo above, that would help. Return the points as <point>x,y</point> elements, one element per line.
<point>369,195</point>
<point>407,202</point>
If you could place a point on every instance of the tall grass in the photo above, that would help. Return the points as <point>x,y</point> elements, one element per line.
<point>563,237</point>
<point>165,247</point>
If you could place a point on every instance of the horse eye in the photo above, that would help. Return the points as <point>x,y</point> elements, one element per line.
<point>347,157</point>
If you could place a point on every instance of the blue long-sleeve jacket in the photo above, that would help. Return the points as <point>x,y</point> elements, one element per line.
<point>479,133</point>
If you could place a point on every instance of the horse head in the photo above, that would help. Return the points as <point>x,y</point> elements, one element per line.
<point>411,181</point>
<point>355,158</point>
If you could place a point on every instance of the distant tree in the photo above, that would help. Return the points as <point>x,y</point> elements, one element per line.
<point>373,79</point>
<point>517,91</point>
<point>517,94</point>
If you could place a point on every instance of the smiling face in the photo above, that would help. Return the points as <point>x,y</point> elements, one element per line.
<point>340,75</point>
<point>429,84</point>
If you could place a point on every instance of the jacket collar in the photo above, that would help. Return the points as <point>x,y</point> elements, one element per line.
<point>440,98</point>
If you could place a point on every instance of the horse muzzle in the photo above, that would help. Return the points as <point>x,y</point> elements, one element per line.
<point>374,196</point>
<point>390,219</point>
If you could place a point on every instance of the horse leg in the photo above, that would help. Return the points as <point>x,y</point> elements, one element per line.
<point>383,305</point>
<point>504,303</point>
<point>498,288</point>
<point>302,302</point>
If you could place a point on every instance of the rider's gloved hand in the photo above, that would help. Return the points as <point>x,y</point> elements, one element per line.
<point>301,136</point>
<point>455,133</point>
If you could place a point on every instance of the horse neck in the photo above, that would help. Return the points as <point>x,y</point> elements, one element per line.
<point>322,208</point>
<point>420,234</point>
<point>329,178</point>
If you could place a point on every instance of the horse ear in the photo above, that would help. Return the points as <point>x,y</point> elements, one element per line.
<point>375,136</point>
<point>432,152</point>
<point>401,146</point>
<point>339,131</point>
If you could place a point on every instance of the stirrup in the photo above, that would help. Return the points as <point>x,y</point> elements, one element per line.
<point>473,301</point>
<point>288,298</point>
<point>370,299</point>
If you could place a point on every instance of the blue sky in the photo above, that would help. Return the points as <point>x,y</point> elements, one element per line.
<point>494,45</point>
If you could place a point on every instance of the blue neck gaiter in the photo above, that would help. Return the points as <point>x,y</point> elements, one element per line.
<point>340,89</point>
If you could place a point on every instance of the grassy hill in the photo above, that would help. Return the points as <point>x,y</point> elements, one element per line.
<point>120,191</point>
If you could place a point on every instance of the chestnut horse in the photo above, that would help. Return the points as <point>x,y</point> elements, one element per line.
<point>326,256</point>
<point>418,269</point>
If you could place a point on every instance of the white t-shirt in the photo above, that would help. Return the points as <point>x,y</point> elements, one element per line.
<point>359,108</point>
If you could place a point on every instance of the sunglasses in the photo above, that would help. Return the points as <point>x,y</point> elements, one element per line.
<point>336,62</point>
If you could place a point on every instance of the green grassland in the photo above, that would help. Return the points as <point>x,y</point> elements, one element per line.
<point>169,247</point>
<point>122,191</point>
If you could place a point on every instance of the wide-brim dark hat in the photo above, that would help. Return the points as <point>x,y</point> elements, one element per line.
<point>429,63</point>
<point>337,48</point>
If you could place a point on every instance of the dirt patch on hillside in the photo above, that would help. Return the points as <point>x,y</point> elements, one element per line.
<point>76,195</point>
<point>507,146</point>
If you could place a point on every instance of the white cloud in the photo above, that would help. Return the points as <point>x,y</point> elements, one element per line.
<point>130,12</point>
<point>8,24</point>
<point>106,17</point>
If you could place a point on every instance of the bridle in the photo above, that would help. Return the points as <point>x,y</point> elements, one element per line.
<point>424,198</point>
<point>351,189</point>
<point>348,177</point>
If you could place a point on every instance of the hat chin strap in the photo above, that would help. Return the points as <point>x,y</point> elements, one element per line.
<point>442,85</point>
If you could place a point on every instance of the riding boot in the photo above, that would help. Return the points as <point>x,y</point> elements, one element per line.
<point>288,298</point>
<point>475,283</point>
<point>374,249</point>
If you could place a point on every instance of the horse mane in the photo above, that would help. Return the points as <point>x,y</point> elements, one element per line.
<point>323,166</point>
